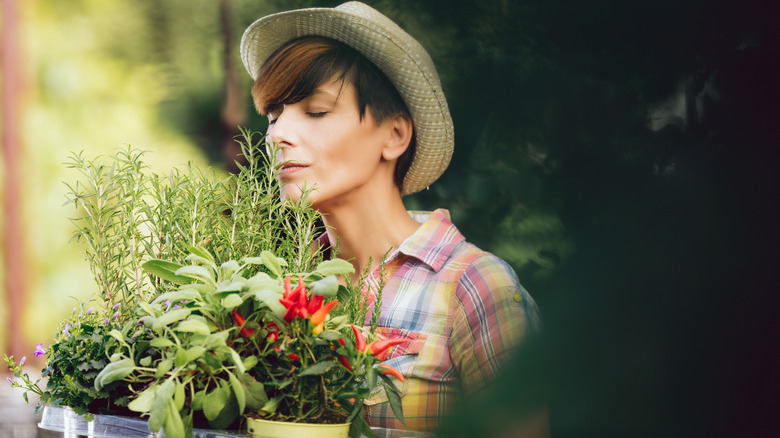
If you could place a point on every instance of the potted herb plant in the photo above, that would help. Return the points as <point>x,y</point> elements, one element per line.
<point>214,303</point>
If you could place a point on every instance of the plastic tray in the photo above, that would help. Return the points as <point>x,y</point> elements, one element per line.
<point>64,420</point>
<point>110,426</point>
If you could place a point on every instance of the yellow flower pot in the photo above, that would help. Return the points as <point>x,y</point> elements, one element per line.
<point>279,429</point>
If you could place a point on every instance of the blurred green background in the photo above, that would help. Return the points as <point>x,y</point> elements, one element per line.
<point>620,155</point>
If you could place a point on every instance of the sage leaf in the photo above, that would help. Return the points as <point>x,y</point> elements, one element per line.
<point>327,287</point>
<point>232,301</point>
<point>272,404</point>
<point>214,402</point>
<point>173,426</point>
<point>170,317</point>
<point>255,393</point>
<point>334,267</point>
<point>143,402</point>
<point>192,326</point>
<point>113,372</point>
<point>165,270</point>
<point>238,391</point>
<point>272,263</point>
<point>271,300</point>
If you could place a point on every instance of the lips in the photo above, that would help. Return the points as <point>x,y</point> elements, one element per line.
<point>290,168</point>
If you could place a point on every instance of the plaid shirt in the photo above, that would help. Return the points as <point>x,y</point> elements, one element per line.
<point>462,310</point>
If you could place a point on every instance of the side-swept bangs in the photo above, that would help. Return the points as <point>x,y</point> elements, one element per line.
<point>295,70</point>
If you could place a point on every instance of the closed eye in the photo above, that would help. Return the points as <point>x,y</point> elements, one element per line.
<point>316,114</point>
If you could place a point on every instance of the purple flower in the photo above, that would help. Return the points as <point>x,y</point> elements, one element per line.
<point>9,380</point>
<point>21,362</point>
<point>167,304</point>
<point>106,321</point>
<point>66,330</point>
<point>116,315</point>
<point>116,306</point>
<point>39,351</point>
<point>90,310</point>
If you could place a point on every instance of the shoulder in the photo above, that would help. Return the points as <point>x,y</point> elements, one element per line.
<point>482,270</point>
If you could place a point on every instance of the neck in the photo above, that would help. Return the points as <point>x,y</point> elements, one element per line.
<point>365,230</point>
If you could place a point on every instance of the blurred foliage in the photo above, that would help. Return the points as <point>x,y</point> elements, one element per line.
<point>619,155</point>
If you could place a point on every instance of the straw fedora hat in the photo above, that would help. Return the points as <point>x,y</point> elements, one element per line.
<point>405,62</point>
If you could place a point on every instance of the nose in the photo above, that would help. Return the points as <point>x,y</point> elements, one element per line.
<point>281,131</point>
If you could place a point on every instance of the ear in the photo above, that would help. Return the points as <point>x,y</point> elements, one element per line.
<point>401,132</point>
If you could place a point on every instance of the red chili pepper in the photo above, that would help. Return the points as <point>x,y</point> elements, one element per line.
<point>286,286</point>
<point>387,369</point>
<point>360,341</point>
<point>315,303</point>
<point>239,321</point>
<point>345,362</point>
<point>272,337</point>
<point>294,357</point>
<point>319,316</point>
<point>289,315</point>
<point>379,347</point>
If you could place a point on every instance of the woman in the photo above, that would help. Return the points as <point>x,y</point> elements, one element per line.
<point>356,107</point>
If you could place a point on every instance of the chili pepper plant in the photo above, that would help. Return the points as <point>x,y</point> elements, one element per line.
<point>214,302</point>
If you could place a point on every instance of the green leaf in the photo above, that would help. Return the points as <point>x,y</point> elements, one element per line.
<point>116,334</point>
<point>272,263</point>
<point>197,273</point>
<point>255,393</point>
<point>159,409</point>
<point>229,268</point>
<point>335,267</point>
<point>113,372</point>
<point>181,357</point>
<point>143,402</point>
<point>163,367</point>
<point>232,301</point>
<point>330,335</point>
<point>238,391</point>
<point>317,369</point>
<point>146,307</point>
<point>161,342</point>
<point>327,287</point>
<point>178,295</point>
<point>193,326</point>
<point>395,401</point>
<point>195,353</point>
<point>253,260</point>
<point>145,361</point>
<point>272,404</point>
<point>214,402</point>
<point>165,270</point>
<point>179,396</point>
<point>271,300</point>
<point>201,252</point>
<point>250,362</point>
<point>173,426</point>
<point>170,317</point>
<point>197,400</point>
<point>261,280</point>
<point>371,377</point>
<point>237,360</point>
<point>216,340</point>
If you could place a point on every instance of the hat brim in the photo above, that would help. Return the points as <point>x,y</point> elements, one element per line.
<point>405,62</point>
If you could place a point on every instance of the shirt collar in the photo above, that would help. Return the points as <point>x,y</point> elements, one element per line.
<point>433,242</point>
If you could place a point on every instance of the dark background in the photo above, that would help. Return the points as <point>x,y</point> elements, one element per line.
<point>621,156</point>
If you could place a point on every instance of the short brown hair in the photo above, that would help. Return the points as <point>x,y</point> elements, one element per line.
<point>295,70</point>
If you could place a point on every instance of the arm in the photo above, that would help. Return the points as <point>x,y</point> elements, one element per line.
<point>492,314</point>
